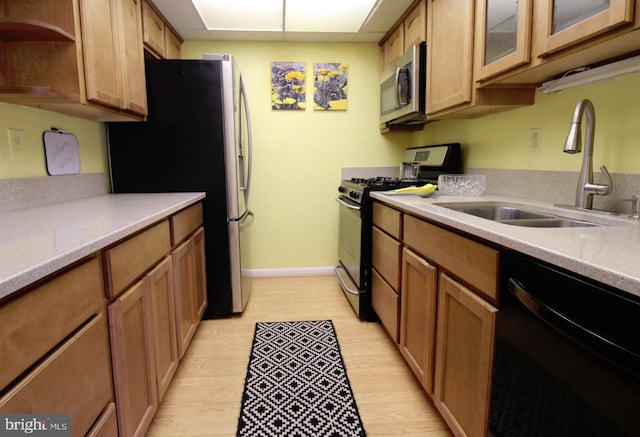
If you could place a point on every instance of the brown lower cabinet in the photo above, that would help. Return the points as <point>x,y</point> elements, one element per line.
<point>464,357</point>
<point>186,310</point>
<point>153,322</point>
<point>133,355</point>
<point>75,379</point>
<point>101,339</point>
<point>446,306</point>
<point>163,308</point>
<point>55,356</point>
<point>417,316</point>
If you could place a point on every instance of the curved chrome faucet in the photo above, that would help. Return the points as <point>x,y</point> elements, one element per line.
<point>586,188</point>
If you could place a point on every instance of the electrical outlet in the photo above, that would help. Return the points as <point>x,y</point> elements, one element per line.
<point>17,144</point>
<point>535,139</point>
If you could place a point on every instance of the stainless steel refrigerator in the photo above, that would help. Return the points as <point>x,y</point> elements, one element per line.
<point>197,138</point>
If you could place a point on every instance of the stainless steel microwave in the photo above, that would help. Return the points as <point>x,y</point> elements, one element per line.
<point>402,88</point>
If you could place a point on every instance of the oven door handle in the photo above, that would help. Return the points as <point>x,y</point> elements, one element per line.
<point>571,329</point>
<point>342,202</point>
<point>343,282</point>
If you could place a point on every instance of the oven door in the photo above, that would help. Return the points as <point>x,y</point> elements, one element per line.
<point>349,243</point>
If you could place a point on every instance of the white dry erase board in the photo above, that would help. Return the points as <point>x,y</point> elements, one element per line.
<point>61,150</point>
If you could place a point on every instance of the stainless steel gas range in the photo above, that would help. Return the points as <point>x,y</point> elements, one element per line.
<point>421,165</point>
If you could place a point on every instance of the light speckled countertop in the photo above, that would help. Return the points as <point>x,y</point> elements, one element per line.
<point>609,254</point>
<point>35,242</point>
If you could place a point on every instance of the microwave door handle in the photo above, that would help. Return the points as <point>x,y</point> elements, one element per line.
<point>397,87</point>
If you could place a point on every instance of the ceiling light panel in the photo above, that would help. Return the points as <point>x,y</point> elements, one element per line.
<point>256,15</point>
<point>326,15</point>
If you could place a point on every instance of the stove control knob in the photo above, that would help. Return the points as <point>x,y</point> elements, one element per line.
<point>342,189</point>
<point>354,195</point>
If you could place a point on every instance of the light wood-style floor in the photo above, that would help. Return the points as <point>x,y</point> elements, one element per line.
<point>205,396</point>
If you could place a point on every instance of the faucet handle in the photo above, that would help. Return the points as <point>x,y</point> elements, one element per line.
<point>601,189</point>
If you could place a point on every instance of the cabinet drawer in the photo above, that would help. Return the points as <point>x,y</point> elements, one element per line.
<point>388,219</point>
<point>127,261</point>
<point>36,320</point>
<point>75,380</point>
<point>386,302</point>
<point>107,423</point>
<point>185,222</point>
<point>386,257</point>
<point>468,260</point>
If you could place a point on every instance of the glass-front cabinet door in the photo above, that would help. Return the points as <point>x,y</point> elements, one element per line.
<point>567,22</point>
<point>505,36</point>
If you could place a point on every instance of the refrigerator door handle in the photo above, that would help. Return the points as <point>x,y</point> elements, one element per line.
<point>247,182</point>
<point>246,220</point>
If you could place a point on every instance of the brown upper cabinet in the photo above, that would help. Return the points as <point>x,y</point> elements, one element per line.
<point>83,58</point>
<point>409,30</point>
<point>415,25</point>
<point>78,57</point>
<point>567,23</point>
<point>504,35</point>
<point>486,56</point>
<point>563,35</point>
<point>452,91</point>
<point>114,63</point>
<point>159,37</point>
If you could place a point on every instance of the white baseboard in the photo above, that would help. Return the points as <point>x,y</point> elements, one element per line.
<point>306,271</point>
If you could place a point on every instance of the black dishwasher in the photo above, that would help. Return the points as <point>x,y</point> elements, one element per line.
<point>567,355</point>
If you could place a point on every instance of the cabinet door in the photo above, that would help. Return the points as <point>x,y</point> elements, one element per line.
<point>173,45</point>
<point>200,273</point>
<point>415,25</point>
<point>568,22</point>
<point>164,324</point>
<point>449,54</point>
<point>154,30</point>
<point>393,47</point>
<point>418,316</point>
<point>131,326</point>
<point>133,62</point>
<point>102,62</point>
<point>183,273</point>
<point>464,357</point>
<point>504,35</point>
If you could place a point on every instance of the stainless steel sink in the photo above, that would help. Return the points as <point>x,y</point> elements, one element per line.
<point>497,212</point>
<point>512,214</point>
<point>552,222</point>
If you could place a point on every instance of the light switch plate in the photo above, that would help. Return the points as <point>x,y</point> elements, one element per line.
<point>17,144</point>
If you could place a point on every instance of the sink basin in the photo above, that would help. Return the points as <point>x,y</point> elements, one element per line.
<point>516,215</point>
<point>552,222</point>
<point>497,212</point>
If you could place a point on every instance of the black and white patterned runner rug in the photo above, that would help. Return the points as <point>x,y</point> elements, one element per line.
<point>297,385</point>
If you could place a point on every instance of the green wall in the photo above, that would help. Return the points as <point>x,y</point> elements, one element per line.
<point>298,155</point>
<point>502,140</point>
<point>34,122</point>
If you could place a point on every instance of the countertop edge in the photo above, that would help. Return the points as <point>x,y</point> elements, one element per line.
<point>34,273</point>
<point>518,239</point>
